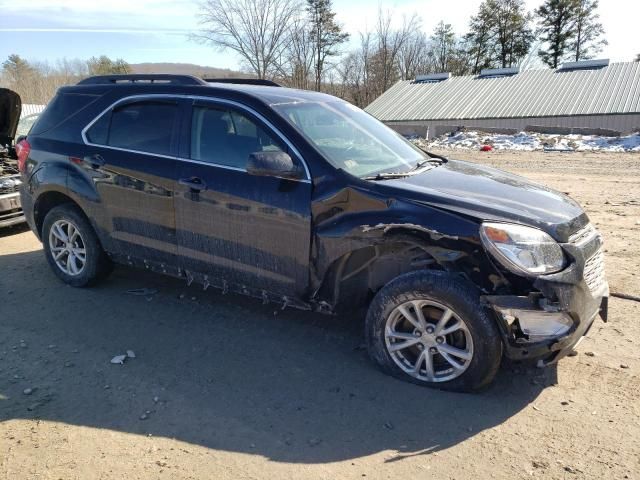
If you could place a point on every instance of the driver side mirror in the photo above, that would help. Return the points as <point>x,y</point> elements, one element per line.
<point>273,163</point>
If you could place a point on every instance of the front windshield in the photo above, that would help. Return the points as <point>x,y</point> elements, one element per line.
<point>351,139</point>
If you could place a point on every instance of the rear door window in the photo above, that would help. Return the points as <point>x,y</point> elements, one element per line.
<point>146,126</point>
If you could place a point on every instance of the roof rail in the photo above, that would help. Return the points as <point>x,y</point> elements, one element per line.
<point>432,77</point>
<point>142,78</point>
<point>244,81</point>
<point>584,64</point>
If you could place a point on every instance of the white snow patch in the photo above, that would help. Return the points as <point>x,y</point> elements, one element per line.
<point>527,141</point>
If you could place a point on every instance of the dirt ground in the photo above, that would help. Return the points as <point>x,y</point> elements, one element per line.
<point>223,387</point>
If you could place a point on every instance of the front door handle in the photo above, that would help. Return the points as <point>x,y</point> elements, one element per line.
<point>95,161</point>
<point>196,184</point>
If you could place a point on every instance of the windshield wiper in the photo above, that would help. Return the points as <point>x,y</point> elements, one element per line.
<point>388,175</point>
<point>433,156</point>
<point>431,162</point>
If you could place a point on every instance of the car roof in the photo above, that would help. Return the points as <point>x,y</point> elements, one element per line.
<point>268,93</point>
<point>276,95</point>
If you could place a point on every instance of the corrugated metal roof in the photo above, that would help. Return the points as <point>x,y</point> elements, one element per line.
<point>30,109</point>
<point>532,93</point>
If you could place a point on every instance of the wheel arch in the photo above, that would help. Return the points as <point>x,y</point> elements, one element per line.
<point>48,200</point>
<point>357,275</point>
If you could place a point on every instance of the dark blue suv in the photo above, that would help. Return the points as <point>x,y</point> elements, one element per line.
<point>302,199</point>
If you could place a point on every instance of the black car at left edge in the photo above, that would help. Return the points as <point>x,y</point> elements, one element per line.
<point>10,209</point>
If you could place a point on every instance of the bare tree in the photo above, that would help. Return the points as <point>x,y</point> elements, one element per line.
<point>255,29</point>
<point>356,72</point>
<point>413,56</point>
<point>297,59</point>
<point>390,42</point>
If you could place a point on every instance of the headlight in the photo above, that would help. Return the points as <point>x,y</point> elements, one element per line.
<point>522,249</point>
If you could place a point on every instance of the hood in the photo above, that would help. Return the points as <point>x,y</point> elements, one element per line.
<point>10,109</point>
<point>489,194</point>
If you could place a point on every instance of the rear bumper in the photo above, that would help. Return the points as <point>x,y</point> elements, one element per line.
<point>11,210</point>
<point>548,323</point>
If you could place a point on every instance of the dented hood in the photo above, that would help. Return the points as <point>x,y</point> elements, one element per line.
<point>10,109</point>
<point>490,194</point>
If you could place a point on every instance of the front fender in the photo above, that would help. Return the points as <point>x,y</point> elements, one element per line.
<point>452,240</point>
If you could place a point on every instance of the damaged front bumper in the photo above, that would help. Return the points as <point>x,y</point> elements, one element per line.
<point>547,324</point>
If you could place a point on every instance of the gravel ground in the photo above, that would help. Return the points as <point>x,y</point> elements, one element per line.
<point>224,387</point>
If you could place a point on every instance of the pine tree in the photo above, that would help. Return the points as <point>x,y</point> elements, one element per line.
<point>103,65</point>
<point>588,31</point>
<point>513,31</point>
<point>443,46</point>
<point>556,29</point>
<point>326,35</point>
<point>15,68</point>
<point>500,34</point>
<point>479,40</point>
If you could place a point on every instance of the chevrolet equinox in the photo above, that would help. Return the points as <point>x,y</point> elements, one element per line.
<point>302,199</point>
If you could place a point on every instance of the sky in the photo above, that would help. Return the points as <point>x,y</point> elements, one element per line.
<point>158,30</point>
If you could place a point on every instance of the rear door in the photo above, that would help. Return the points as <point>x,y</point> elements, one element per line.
<point>132,154</point>
<point>245,231</point>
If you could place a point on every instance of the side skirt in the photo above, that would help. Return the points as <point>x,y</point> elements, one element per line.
<point>219,283</point>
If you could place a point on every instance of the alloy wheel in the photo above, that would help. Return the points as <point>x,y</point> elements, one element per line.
<point>67,247</point>
<point>428,341</point>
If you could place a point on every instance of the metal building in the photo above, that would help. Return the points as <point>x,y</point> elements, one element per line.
<point>578,95</point>
<point>31,109</point>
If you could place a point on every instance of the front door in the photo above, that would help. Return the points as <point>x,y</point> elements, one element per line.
<point>241,231</point>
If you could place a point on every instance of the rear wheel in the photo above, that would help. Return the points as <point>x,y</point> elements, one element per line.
<point>72,247</point>
<point>429,328</point>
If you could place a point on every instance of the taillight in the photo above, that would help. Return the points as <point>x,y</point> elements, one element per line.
<point>23,149</point>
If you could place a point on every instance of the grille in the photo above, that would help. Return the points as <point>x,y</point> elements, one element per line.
<point>594,271</point>
<point>584,234</point>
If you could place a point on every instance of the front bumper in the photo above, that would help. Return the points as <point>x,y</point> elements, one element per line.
<point>10,210</point>
<point>548,323</point>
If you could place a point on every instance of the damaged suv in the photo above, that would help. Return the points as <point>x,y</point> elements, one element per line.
<point>10,210</point>
<point>302,199</point>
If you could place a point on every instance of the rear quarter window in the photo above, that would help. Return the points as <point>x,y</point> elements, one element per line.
<point>63,106</point>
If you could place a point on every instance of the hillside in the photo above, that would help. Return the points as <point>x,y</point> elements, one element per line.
<point>186,69</point>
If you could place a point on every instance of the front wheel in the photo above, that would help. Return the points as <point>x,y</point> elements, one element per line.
<point>430,329</point>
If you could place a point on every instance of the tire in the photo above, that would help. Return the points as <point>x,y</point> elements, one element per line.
<point>96,265</point>
<point>474,334</point>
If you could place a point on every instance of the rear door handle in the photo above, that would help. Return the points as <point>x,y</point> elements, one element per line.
<point>194,183</point>
<point>95,161</point>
